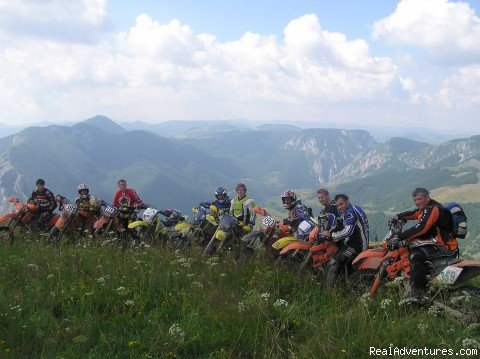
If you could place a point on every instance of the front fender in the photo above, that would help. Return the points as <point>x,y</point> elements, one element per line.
<point>369,259</point>
<point>7,216</point>
<point>302,246</point>
<point>283,242</point>
<point>100,223</point>
<point>183,225</point>
<point>135,224</point>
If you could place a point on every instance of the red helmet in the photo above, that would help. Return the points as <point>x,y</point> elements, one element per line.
<point>289,204</point>
<point>83,187</point>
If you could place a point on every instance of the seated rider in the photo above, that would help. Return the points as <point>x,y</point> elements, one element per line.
<point>222,202</point>
<point>126,200</point>
<point>241,208</point>
<point>45,200</point>
<point>297,213</point>
<point>351,235</point>
<point>432,237</point>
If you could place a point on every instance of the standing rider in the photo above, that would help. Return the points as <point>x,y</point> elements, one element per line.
<point>242,208</point>
<point>126,200</point>
<point>45,200</point>
<point>351,236</point>
<point>432,237</point>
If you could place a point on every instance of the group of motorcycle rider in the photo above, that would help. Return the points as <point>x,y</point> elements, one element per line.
<point>347,225</point>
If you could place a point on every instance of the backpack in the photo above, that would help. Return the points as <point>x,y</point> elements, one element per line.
<point>459,219</point>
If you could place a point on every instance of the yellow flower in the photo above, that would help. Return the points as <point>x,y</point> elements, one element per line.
<point>7,350</point>
<point>344,350</point>
<point>131,343</point>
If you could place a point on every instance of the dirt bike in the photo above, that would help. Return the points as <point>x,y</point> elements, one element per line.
<point>320,249</point>
<point>227,234</point>
<point>263,239</point>
<point>388,265</point>
<point>111,221</point>
<point>23,216</point>
<point>152,229</point>
<point>294,249</point>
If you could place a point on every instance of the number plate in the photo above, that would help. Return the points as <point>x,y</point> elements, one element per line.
<point>449,275</point>
<point>268,221</point>
<point>304,226</point>
<point>70,208</point>
<point>110,210</point>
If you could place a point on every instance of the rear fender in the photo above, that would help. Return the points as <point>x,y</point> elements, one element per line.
<point>302,246</point>
<point>283,242</point>
<point>60,222</point>
<point>470,269</point>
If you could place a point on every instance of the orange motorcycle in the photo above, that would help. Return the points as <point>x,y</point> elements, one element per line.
<point>391,264</point>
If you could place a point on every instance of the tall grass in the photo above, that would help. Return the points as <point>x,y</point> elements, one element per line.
<point>89,301</point>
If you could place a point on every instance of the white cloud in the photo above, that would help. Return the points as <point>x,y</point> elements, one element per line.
<point>68,21</point>
<point>462,89</point>
<point>448,30</point>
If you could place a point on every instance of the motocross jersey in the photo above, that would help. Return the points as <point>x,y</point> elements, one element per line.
<point>126,199</point>
<point>83,203</point>
<point>224,206</point>
<point>242,209</point>
<point>331,213</point>
<point>299,218</point>
<point>45,200</point>
<point>354,230</point>
<point>435,221</point>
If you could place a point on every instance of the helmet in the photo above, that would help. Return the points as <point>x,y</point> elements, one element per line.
<point>149,214</point>
<point>83,187</point>
<point>95,203</point>
<point>221,194</point>
<point>293,198</point>
<point>175,216</point>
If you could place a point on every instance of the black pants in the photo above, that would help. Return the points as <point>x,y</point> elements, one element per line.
<point>342,258</point>
<point>419,256</point>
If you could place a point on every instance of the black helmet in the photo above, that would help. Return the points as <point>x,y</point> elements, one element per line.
<point>40,181</point>
<point>221,194</point>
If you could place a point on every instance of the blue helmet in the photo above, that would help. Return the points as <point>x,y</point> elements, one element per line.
<point>221,194</point>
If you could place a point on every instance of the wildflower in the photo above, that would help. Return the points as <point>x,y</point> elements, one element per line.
<point>223,274</point>
<point>465,298</point>
<point>366,299</point>
<point>385,303</point>
<point>190,275</point>
<point>241,307</point>
<point>434,310</point>
<point>33,267</point>
<point>129,302</point>
<point>101,280</point>
<point>422,328</point>
<point>280,303</point>
<point>50,276</point>
<point>132,343</point>
<point>197,284</point>
<point>470,343</point>
<point>88,294</point>
<point>265,296</point>
<point>121,290</point>
<point>177,332</point>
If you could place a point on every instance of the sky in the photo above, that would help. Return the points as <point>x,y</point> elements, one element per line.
<point>406,63</point>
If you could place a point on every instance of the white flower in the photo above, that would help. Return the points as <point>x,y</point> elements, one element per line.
<point>50,276</point>
<point>366,299</point>
<point>434,310</point>
<point>470,343</point>
<point>129,302</point>
<point>223,274</point>
<point>121,290</point>
<point>177,332</point>
<point>241,307</point>
<point>423,328</point>
<point>33,267</point>
<point>385,303</point>
<point>280,303</point>
<point>197,284</point>
<point>265,296</point>
<point>101,280</point>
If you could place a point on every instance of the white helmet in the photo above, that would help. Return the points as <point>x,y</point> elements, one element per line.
<point>149,214</point>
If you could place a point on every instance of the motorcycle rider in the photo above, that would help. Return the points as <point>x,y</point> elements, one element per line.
<point>297,212</point>
<point>432,237</point>
<point>126,200</point>
<point>45,200</point>
<point>241,208</point>
<point>222,202</point>
<point>329,206</point>
<point>88,210</point>
<point>350,234</point>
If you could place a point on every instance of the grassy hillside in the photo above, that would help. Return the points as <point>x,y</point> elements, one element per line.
<point>88,301</point>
